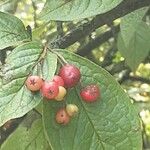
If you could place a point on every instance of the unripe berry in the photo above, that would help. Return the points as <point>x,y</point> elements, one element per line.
<point>58,80</point>
<point>90,93</point>
<point>34,83</point>
<point>72,109</point>
<point>70,74</point>
<point>62,117</point>
<point>50,90</point>
<point>61,94</point>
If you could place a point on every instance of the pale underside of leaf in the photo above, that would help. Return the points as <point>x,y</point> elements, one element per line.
<point>49,66</point>
<point>110,123</point>
<point>15,99</point>
<point>66,10</point>
<point>12,31</point>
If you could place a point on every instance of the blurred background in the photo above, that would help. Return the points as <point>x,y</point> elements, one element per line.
<point>99,46</point>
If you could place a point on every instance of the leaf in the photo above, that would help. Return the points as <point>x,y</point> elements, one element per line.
<point>49,66</point>
<point>67,10</point>
<point>37,32</point>
<point>138,48</point>
<point>110,123</point>
<point>130,24</point>
<point>18,100</point>
<point>15,99</point>
<point>12,31</point>
<point>2,2</point>
<point>27,138</point>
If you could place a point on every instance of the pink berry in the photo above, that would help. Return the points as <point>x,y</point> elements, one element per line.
<point>50,90</point>
<point>62,117</point>
<point>70,74</point>
<point>90,93</point>
<point>34,83</point>
<point>58,80</point>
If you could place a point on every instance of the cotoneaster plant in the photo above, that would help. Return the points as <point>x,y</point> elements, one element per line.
<point>56,89</point>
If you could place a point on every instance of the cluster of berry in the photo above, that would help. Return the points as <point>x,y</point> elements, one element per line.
<point>68,77</point>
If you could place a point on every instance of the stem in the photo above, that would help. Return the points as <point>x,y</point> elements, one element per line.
<point>60,56</point>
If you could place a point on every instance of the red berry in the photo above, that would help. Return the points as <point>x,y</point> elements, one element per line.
<point>50,90</point>
<point>34,83</point>
<point>62,117</point>
<point>70,74</point>
<point>58,80</point>
<point>90,93</point>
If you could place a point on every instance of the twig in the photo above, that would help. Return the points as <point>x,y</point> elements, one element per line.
<point>116,68</point>
<point>8,128</point>
<point>96,42</point>
<point>122,9</point>
<point>60,29</point>
<point>34,13</point>
<point>141,79</point>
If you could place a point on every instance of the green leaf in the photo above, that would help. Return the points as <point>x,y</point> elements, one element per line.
<point>138,48</point>
<point>15,99</point>
<point>37,32</point>
<point>67,10</point>
<point>12,31</point>
<point>110,123</point>
<point>49,66</point>
<point>27,138</point>
<point>130,24</point>
<point>2,2</point>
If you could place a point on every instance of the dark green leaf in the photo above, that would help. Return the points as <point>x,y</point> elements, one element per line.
<point>27,137</point>
<point>138,48</point>
<point>130,24</point>
<point>12,31</point>
<point>66,10</point>
<point>110,123</point>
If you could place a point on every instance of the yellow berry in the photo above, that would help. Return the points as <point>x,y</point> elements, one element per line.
<point>72,109</point>
<point>61,94</point>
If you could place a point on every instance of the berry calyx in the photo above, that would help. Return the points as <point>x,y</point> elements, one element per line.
<point>58,80</point>
<point>50,90</point>
<point>61,94</point>
<point>34,83</point>
<point>72,109</point>
<point>62,117</point>
<point>90,93</point>
<point>70,74</point>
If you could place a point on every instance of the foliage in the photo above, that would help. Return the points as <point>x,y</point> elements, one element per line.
<point>110,123</point>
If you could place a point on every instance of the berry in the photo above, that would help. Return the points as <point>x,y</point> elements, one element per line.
<point>90,93</point>
<point>61,94</point>
<point>34,83</point>
<point>70,74</point>
<point>50,90</point>
<point>62,117</point>
<point>58,80</point>
<point>72,109</point>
